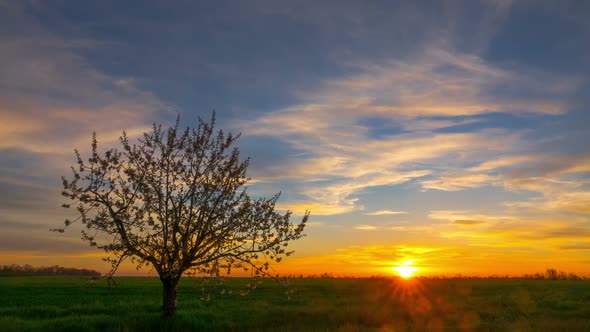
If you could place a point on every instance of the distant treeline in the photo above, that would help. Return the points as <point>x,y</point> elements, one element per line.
<point>553,274</point>
<point>549,274</point>
<point>55,270</point>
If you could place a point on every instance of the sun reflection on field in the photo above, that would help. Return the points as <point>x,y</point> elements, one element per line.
<point>430,304</point>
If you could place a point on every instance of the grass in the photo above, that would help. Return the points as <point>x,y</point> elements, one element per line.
<point>77,304</point>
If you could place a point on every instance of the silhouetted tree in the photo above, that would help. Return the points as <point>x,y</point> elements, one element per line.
<point>552,274</point>
<point>177,201</point>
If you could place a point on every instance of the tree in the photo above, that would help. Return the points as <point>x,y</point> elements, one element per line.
<point>176,200</point>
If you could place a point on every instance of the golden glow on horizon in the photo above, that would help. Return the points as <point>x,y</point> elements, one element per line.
<point>405,270</point>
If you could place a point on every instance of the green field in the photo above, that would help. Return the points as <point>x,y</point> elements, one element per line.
<point>78,304</point>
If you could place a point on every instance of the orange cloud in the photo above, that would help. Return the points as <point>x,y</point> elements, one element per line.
<point>571,201</point>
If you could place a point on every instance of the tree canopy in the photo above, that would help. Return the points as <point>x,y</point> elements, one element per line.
<point>177,200</point>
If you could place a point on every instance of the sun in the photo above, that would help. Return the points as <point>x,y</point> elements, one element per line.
<point>405,270</point>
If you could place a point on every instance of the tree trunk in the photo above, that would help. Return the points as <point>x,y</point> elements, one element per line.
<point>169,296</point>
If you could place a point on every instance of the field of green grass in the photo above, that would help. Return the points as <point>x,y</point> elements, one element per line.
<point>78,304</point>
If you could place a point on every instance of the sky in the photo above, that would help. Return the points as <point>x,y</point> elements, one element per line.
<point>450,133</point>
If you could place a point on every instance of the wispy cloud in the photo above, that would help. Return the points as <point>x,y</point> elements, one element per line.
<point>501,162</point>
<point>468,217</point>
<point>559,178</point>
<point>52,98</point>
<point>467,222</point>
<point>418,96</point>
<point>577,246</point>
<point>299,207</point>
<point>459,182</point>
<point>337,171</point>
<point>385,212</point>
<point>366,227</point>
<point>492,230</point>
<point>571,201</point>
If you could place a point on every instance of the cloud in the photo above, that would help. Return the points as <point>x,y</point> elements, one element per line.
<point>339,195</point>
<point>337,171</point>
<point>51,98</point>
<point>580,166</point>
<point>385,212</point>
<point>578,202</point>
<point>435,83</point>
<point>557,195</point>
<point>559,178</point>
<point>366,227</point>
<point>501,162</point>
<point>20,225</point>
<point>507,231</point>
<point>577,246</point>
<point>431,228</point>
<point>467,222</point>
<point>341,155</point>
<point>317,208</point>
<point>569,232</point>
<point>34,244</point>
<point>467,217</point>
<point>459,182</point>
<point>14,196</point>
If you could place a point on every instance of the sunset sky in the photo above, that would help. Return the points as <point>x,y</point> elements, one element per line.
<point>451,133</point>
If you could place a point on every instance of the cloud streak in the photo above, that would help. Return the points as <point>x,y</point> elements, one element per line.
<point>418,97</point>
<point>385,213</point>
<point>51,98</point>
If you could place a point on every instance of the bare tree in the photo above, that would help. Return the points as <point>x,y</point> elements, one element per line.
<point>177,201</point>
